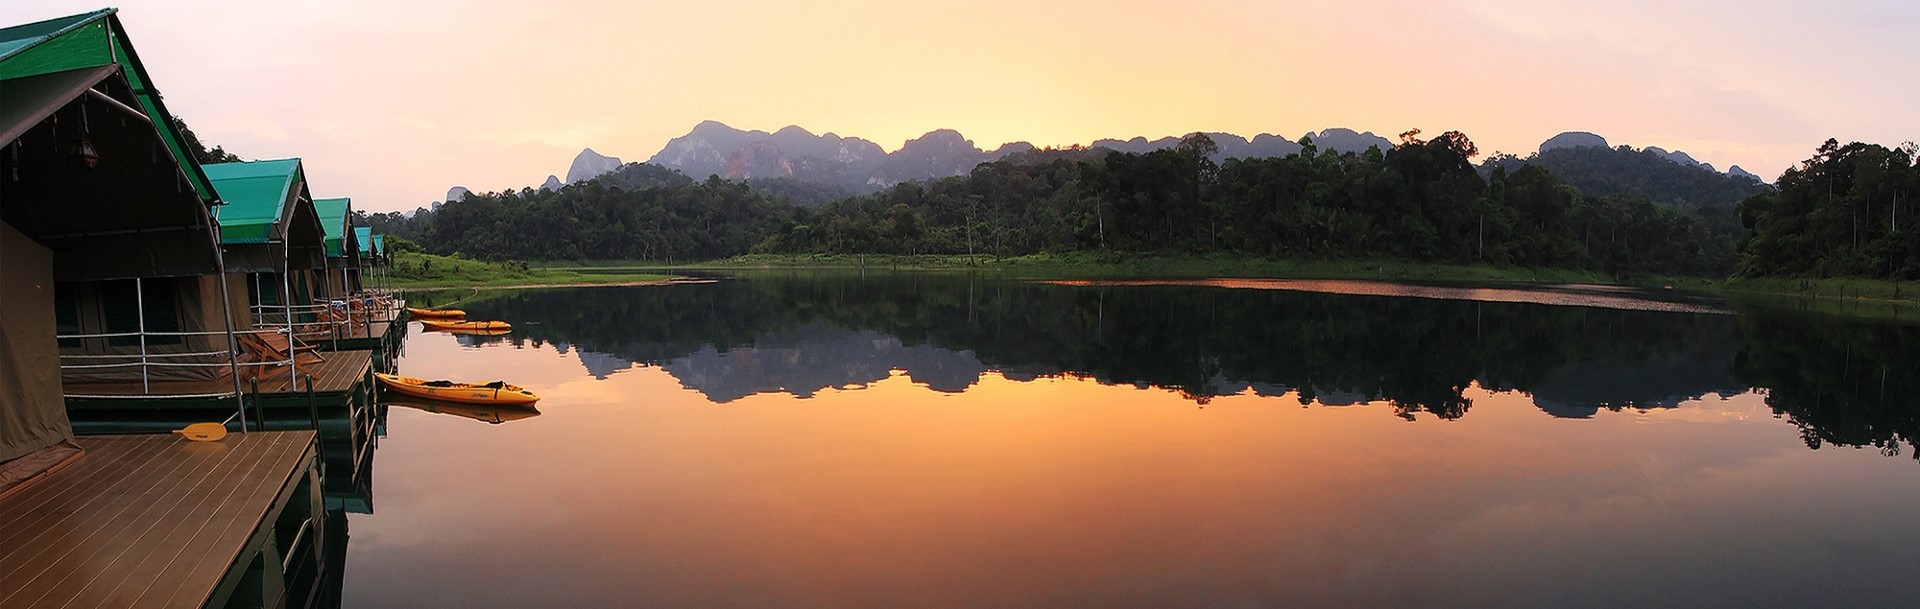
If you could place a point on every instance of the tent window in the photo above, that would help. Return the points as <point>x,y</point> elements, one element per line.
<point>263,288</point>
<point>66,313</point>
<point>120,308</point>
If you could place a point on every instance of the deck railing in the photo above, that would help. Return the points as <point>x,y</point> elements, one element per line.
<point>329,321</point>
<point>148,361</point>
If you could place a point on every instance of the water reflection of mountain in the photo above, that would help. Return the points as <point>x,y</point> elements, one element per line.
<point>803,334</point>
<point>816,356</point>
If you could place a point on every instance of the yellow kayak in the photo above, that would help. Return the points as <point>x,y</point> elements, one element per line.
<point>437,313</point>
<point>496,393</point>
<point>493,413</point>
<point>470,326</point>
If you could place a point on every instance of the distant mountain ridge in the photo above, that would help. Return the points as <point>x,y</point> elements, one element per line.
<point>1596,168</point>
<point>792,156</point>
<point>858,165</point>
<point>1583,139</point>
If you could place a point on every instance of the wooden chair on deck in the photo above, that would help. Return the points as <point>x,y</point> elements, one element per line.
<point>269,348</point>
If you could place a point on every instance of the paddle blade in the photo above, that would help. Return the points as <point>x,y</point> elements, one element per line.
<point>204,432</point>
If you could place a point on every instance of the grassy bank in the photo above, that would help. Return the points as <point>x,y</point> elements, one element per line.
<point>1863,298</point>
<point>416,270</point>
<point>1094,266</point>
<point>1869,298</point>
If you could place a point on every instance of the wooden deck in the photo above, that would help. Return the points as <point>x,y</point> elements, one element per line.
<point>351,336</point>
<point>338,373</point>
<point>145,521</point>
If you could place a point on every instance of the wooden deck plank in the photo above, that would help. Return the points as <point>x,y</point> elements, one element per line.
<point>202,564</point>
<point>30,512</point>
<point>28,497</point>
<point>189,538</point>
<point>141,508</point>
<point>94,536</point>
<point>163,540</point>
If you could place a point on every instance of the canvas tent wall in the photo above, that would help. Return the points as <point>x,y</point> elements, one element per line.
<point>32,414</point>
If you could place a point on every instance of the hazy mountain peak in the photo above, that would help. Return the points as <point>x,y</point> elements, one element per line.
<point>947,137</point>
<point>589,164</point>
<point>797,131</point>
<point>1683,158</point>
<point>1010,148</point>
<point>553,183</point>
<point>457,193</point>
<point>1342,139</point>
<point>1574,139</point>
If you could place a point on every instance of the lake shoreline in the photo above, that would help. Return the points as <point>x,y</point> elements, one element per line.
<point>1090,266</point>
<point>421,271</point>
<point>1880,299</point>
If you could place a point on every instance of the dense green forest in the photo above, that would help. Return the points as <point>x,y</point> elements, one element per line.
<point>1620,211</point>
<point>1839,214</point>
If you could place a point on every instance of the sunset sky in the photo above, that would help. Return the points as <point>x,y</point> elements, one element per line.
<point>391,103</point>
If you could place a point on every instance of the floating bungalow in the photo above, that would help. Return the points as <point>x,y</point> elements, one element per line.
<point>270,235</point>
<point>343,253</point>
<point>372,256</point>
<point>114,285</point>
<point>274,244</point>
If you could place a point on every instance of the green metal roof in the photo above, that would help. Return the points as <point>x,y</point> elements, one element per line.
<point>55,45</point>
<point>257,194</point>
<point>92,40</point>
<point>364,235</point>
<point>380,244</point>
<point>334,214</point>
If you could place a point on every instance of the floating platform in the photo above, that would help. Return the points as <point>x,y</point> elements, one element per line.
<point>356,336</point>
<point>340,373</point>
<point>158,521</point>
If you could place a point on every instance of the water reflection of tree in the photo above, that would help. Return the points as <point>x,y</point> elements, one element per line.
<point>1841,382</point>
<point>1417,355</point>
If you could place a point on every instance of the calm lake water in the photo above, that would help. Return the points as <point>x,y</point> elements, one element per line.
<point>946,441</point>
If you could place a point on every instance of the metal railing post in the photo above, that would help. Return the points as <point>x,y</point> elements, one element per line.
<point>256,402</point>
<point>286,302</point>
<point>140,308</point>
<point>226,306</point>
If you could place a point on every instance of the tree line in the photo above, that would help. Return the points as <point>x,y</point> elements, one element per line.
<point>1847,211</point>
<point>1421,200</point>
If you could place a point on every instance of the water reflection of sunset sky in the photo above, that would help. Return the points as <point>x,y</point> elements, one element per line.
<point>633,490</point>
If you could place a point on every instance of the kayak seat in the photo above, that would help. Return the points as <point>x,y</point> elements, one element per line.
<point>438,383</point>
<point>496,385</point>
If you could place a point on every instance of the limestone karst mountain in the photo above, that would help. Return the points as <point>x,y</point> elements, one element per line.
<point>589,164</point>
<point>857,165</point>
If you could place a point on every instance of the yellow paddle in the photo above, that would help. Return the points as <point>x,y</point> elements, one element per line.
<point>204,432</point>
